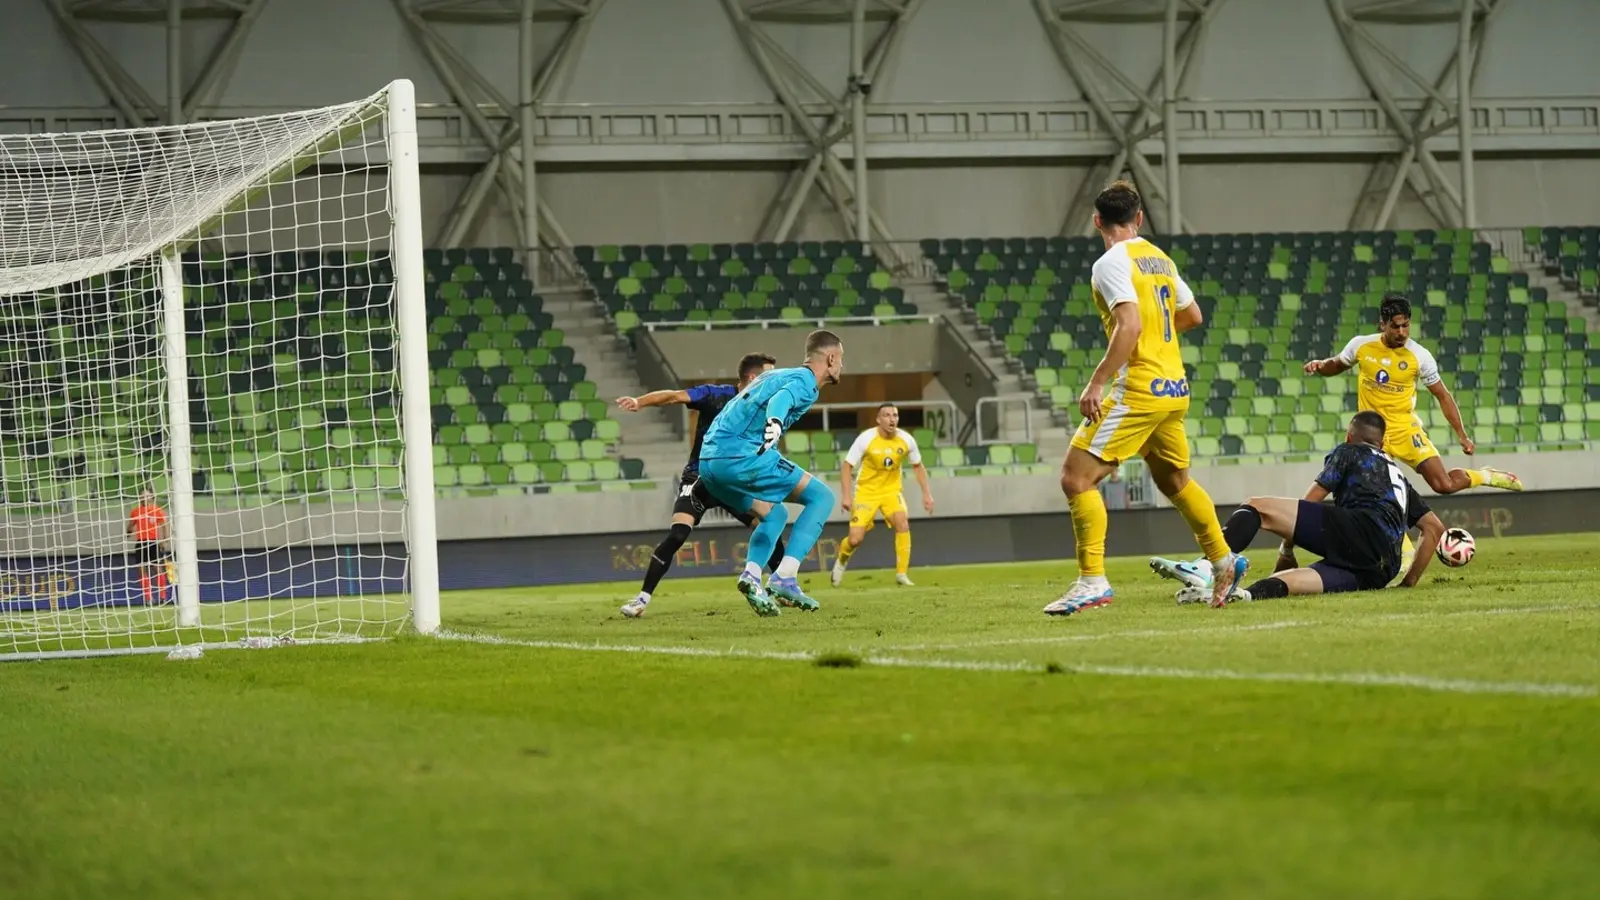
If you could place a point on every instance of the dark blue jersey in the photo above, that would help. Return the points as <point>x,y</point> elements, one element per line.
<point>707,400</point>
<point>1364,479</point>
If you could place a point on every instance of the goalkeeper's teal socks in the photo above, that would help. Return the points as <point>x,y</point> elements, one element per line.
<point>818,500</point>
<point>765,538</point>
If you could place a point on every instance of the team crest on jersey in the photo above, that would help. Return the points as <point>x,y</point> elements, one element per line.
<point>1403,365</point>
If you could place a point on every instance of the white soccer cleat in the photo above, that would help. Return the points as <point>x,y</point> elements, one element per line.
<point>635,608</point>
<point>838,574</point>
<point>1195,574</point>
<point>903,578</point>
<point>1079,598</point>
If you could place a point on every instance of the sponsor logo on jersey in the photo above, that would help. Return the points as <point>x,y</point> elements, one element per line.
<point>1382,377</point>
<point>1169,387</point>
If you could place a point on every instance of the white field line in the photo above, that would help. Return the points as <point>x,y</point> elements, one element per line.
<point>1100,636</point>
<point>1363,679</point>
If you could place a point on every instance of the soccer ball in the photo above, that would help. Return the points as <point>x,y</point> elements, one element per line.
<point>1456,547</point>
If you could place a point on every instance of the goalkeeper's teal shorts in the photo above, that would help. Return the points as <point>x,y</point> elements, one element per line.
<point>739,481</point>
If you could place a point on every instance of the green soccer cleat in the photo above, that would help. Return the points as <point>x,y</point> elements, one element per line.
<point>788,593</point>
<point>758,598</point>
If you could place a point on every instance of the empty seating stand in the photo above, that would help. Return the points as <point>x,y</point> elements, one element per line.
<point>291,385</point>
<point>1520,365</point>
<point>796,281</point>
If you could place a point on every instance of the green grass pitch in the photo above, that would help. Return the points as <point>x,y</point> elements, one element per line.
<point>1440,742</point>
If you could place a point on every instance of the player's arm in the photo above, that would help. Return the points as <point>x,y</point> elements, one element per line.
<point>1428,374</point>
<point>778,407</point>
<point>655,398</point>
<point>847,469</point>
<point>1419,516</point>
<point>1188,313</point>
<point>1335,365</point>
<point>914,457</point>
<point>1113,279</point>
<point>1432,530</point>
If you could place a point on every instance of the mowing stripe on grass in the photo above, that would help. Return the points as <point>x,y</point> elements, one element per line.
<point>1358,679</point>
<point>1102,636</point>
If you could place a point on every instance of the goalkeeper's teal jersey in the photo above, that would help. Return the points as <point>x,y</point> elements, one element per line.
<point>738,430</point>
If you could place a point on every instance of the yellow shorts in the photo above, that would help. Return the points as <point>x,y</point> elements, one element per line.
<point>1123,433</point>
<point>1409,444</point>
<point>865,507</point>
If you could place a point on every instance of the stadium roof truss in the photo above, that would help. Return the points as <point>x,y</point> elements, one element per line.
<point>510,167</point>
<point>1184,24</point>
<point>133,103</point>
<point>1443,106</point>
<point>824,119</point>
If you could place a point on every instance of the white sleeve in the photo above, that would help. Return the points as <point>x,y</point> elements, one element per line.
<point>1112,276</point>
<point>859,448</point>
<point>913,452</point>
<point>1348,354</point>
<point>1185,294</point>
<point>1427,368</point>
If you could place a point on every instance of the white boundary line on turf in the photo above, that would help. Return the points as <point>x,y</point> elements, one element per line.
<point>1359,679</point>
<point>1101,636</point>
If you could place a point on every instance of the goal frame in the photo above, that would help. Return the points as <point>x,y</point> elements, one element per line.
<point>398,99</point>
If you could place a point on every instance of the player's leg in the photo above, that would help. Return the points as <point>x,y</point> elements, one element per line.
<point>1166,452</point>
<point>900,520</point>
<point>863,512</point>
<point>687,511</point>
<point>1414,448</point>
<point>1096,449</point>
<point>735,484</point>
<point>816,500</point>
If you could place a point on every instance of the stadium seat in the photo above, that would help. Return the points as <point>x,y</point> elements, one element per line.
<point>1273,301</point>
<point>740,282</point>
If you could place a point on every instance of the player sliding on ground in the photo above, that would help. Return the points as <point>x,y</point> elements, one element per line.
<point>740,464</point>
<point>1389,365</point>
<point>880,454</point>
<point>1357,536</point>
<point>1135,402</point>
<point>693,500</point>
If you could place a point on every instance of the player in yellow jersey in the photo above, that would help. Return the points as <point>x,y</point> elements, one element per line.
<point>1135,402</point>
<point>1389,366</point>
<point>875,470</point>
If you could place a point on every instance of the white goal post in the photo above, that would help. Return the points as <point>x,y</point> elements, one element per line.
<point>215,416</point>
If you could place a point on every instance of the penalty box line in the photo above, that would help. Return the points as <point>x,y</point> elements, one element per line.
<point>1357,679</point>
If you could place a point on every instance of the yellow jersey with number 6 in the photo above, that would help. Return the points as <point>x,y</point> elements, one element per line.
<point>1136,271</point>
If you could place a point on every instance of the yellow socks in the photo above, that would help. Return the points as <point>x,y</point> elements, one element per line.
<point>1089,532</point>
<point>1194,504</point>
<point>846,550</point>
<point>1478,477</point>
<point>902,552</point>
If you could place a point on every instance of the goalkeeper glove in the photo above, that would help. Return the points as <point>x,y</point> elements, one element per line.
<point>770,434</point>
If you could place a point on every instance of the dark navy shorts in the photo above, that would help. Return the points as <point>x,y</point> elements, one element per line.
<point>1351,546</point>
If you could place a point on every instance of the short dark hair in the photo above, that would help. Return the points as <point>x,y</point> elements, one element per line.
<point>1394,305</point>
<point>1118,204</point>
<point>1369,426</point>
<point>888,404</point>
<point>820,340</point>
<point>752,364</point>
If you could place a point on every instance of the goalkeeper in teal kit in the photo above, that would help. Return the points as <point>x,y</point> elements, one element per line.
<point>740,463</point>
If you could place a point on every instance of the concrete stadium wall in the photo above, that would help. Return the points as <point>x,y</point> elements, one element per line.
<point>289,524</point>
<point>644,52</point>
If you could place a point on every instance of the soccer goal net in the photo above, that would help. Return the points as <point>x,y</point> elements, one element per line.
<point>214,410</point>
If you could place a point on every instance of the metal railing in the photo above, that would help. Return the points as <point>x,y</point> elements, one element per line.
<point>765,324</point>
<point>942,416</point>
<point>997,403</point>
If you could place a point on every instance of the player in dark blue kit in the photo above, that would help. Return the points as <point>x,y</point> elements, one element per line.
<point>693,499</point>
<point>1358,535</point>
